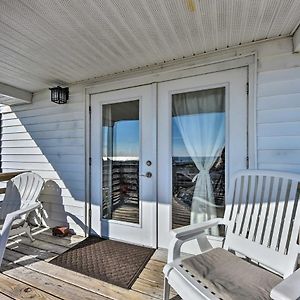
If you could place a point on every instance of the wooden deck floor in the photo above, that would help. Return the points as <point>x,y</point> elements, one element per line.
<point>26,274</point>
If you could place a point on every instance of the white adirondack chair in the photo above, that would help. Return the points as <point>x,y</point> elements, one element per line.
<point>21,198</point>
<point>262,218</point>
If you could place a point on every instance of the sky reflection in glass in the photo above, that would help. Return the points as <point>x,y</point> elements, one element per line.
<point>126,136</point>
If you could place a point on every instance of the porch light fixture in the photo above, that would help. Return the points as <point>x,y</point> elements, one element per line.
<point>59,95</point>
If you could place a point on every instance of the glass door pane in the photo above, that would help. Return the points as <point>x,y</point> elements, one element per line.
<point>120,161</point>
<point>195,160</point>
<point>198,156</point>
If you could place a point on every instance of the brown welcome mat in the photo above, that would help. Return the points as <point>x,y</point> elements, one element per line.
<point>111,261</point>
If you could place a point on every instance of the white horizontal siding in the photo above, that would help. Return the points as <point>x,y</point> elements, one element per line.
<point>283,142</point>
<point>275,102</point>
<point>47,151</point>
<point>55,134</point>
<point>279,62</point>
<point>44,111</point>
<point>48,139</point>
<point>278,129</point>
<point>284,87</point>
<point>40,158</point>
<point>278,110</point>
<point>71,177</point>
<point>278,156</point>
<point>61,126</point>
<point>43,166</point>
<point>51,142</point>
<point>278,115</point>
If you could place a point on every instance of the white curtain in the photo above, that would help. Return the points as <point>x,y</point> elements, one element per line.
<point>200,119</point>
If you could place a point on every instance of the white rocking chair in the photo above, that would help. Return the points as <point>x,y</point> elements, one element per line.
<point>262,219</point>
<point>21,198</point>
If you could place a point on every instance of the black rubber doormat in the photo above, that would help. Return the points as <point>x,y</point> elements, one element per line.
<point>111,261</point>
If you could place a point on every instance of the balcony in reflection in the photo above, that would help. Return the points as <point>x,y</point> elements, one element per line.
<point>120,161</point>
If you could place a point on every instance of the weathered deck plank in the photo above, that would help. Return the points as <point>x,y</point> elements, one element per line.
<point>18,270</point>
<point>4,297</point>
<point>28,250</point>
<point>38,244</point>
<point>68,242</point>
<point>26,262</point>
<point>14,289</point>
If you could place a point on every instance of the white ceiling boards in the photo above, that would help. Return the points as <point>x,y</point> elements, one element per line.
<point>46,42</point>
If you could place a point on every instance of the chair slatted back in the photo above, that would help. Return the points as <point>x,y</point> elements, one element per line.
<point>263,218</point>
<point>21,191</point>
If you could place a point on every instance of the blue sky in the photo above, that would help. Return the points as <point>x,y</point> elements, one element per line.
<point>126,137</point>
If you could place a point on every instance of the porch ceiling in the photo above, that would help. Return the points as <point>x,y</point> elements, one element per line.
<point>45,42</point>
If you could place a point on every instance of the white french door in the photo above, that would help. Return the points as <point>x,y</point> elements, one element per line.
<point>159,167</point>
<point>123,171</point>
<point>202,141</point>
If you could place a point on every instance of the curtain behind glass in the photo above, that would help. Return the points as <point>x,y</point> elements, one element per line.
<point>200,119</point>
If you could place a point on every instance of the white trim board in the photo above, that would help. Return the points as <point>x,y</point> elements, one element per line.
<point>192,68</point>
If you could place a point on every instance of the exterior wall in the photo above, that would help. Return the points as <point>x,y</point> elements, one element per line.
<point>49,139</point>
<point>278,110</point>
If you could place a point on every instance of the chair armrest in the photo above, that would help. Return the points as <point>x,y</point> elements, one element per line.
<point>20,212</point>
<point>16,215</point>
<point>188,233</point>
<point>288,289</point>
<point>4,233</point>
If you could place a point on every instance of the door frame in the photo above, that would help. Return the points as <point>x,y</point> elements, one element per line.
<point>188,68</point>
<point>236,77</point>
<point>145,232</point>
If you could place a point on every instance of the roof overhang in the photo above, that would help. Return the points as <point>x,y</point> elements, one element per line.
<point>11,95</point>
<point>48,43</point>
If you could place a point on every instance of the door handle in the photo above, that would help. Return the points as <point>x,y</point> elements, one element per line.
<point>148,175</point>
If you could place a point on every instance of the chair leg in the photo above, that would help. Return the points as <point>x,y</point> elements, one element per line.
<point>166,295</point>
<point>27,230</point>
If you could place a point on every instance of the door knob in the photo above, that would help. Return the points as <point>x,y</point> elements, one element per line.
<point>148,175</point>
